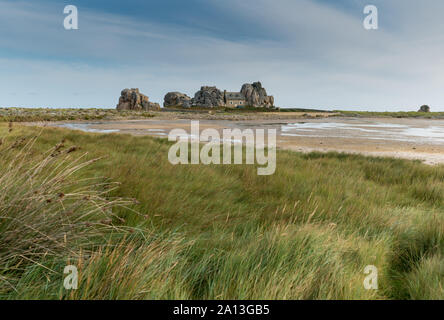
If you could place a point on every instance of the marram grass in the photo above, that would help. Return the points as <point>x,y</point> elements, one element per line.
<point>222,232</point>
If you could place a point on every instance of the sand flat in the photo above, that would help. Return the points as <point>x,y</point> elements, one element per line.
<point>416,139</point>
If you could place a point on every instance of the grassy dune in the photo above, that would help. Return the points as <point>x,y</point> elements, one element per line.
<point>388,114</point>
<point>222,232</point>
<point>52,114</point>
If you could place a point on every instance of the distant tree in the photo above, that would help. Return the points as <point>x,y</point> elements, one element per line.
<point>424,108</point>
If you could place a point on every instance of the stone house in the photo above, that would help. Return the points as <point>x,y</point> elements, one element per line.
<point>234,99</point>
<point>252,95</point>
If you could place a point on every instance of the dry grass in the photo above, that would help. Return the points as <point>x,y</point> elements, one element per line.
<point>51,114</point>
<point>46,212</point>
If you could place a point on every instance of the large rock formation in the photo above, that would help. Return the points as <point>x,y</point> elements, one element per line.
<point>256,96</point>
<point>177,99</point>
<point>424,108</point>
<point>208,97</point>
<point>132,99</point>
<point>147,106</point>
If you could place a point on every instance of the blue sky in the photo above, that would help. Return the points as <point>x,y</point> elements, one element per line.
<point>307,53</point>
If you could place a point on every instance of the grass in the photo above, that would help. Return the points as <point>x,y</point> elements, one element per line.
<point>95,114</point>
<point>303,110</point>
<point>243,109</point>
<point>223,232</point>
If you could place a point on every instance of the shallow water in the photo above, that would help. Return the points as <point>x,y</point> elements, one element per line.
<point>371,131</point>
<point>429,132</point>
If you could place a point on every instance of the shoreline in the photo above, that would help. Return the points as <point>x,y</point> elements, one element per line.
<point>376,137</point>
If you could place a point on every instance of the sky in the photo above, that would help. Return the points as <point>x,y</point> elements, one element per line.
<point>306,53</point>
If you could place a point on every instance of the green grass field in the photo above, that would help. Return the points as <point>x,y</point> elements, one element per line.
<point>212,232</point>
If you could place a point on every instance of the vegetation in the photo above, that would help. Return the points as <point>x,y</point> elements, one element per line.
<point>400,114</point>
<point>212,232</point>
<point>239,109</point>
<point>49,114</point>
<point>303,110</point>
<point>250,109</point>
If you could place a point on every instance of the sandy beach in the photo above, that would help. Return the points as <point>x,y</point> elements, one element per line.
<point>415,139</point>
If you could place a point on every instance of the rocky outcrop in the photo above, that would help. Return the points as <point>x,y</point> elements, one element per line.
<point>424,108</point>
<point>132,99</point>
<point>256,95</point>
<point>177,99</point>
<point>208,97</point>
<point>150,106</point>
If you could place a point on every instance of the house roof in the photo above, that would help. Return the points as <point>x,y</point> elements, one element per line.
<point>234,96</point>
